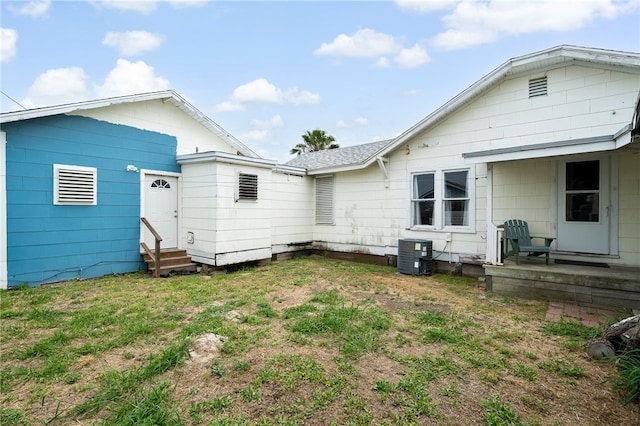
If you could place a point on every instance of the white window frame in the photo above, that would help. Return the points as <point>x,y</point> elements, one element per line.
<point>87,186</point>
<point>439,218</point>
<point>325,193</point>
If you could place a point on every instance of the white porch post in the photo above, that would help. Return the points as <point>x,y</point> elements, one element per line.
<point>493,241</point>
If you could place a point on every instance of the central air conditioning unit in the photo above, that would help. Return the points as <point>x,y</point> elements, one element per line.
<point>415,257</point>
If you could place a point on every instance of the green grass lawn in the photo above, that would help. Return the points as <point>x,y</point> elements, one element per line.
<point>309,341</point>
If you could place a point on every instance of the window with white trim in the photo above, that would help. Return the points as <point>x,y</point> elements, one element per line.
<point>75,185</point>
<point>456,198</point>
<point>442,199</point>
<point>423,198</point>
<point>247,187</point>
<point>324,200</point>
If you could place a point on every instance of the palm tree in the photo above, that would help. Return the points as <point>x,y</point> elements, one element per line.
<point>316,140</point>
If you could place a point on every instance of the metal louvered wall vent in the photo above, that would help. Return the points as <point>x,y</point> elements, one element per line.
<point>324,200</point>
<point>75,185</point>
<point>538,87</point>
<point>247,186</point>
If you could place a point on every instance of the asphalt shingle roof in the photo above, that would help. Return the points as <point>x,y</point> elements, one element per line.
<point>347,156</point>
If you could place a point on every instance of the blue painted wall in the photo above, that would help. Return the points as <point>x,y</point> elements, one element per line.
<point>48,243</point>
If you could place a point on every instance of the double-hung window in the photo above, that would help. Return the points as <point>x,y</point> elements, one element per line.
<point>424,199</point>
<point>442,199</point>
<point>456,198</point>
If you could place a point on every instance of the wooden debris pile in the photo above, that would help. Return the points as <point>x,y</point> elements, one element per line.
<point>616,339</point>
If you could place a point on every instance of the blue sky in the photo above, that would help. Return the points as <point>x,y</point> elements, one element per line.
<point>268,71</point>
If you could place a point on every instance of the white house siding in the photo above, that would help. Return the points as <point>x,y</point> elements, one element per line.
<point>367,219</point>
<point>526,190</point>
<point>243,226</point>
<point>292,217</point>
<point>629,207</point>
<point>163,118</point>
<point>581,103</point>
<point>430,153</point>
<point>199,200</point>
<point>225,230</point>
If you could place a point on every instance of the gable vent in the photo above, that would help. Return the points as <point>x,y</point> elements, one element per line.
<point>74,185</point>
<point>247,187</point>
<point>538,87</point>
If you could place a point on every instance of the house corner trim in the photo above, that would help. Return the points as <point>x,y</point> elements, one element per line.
<point>3,211</point>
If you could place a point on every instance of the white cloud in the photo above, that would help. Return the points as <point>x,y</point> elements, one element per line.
<point>132,43</point>
<point>360,121</point>
<point>66,85</point>
<point>33,9</point>
<point>367,43</point>
<point>228,106</point>
<point>256,135</point>
<point>262,91</point>
<point>57,86</point>
<point>275,121</point>
<point>144,7</point>
<point>412,57</point>
<point>382,62</point>
<point>259,90</point>
<point>296,96</point>
<point>364,43</point>
<point>188,3</point>
<point>426,6</point>
<point>472,23</point>
<point>130,78</point>
<point>8,40</point>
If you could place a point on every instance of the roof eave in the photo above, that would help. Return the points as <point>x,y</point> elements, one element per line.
<point>165,95</point>
<point>12,116</point>
<point>552,149</point>
<point>223,157</point>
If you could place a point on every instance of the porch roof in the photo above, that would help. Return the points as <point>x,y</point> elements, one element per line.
<point>552,149</point>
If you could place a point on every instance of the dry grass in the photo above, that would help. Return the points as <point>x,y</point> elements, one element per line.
<point>307,341</point>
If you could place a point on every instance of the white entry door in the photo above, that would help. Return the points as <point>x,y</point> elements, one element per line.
<point>584,206</point>
<point>161,209</point>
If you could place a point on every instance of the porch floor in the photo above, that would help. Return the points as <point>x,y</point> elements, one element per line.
<point>583,285</point>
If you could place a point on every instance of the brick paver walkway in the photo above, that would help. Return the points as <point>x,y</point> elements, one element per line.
<point>589,316</point>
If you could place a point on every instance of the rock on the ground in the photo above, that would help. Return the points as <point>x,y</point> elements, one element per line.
<point>204,348</point>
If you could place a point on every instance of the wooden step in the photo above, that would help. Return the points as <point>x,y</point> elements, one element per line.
<point>171,260</point>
